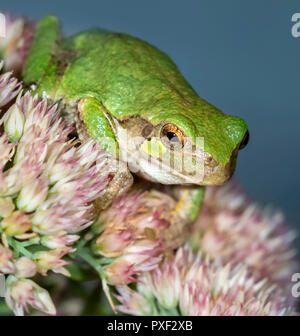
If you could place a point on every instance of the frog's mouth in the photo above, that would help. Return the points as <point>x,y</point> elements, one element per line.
<point>159,172</point>
<point>154,169</point>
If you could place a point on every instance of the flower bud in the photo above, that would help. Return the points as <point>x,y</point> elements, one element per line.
<point>6,257</point>
<point>16,224</point>
<point>32,195</point>
<point>119,272</point>
<point>56,242</point>
<point>25,268</point>
<point>6,206</point>
<point>52,260</point>
<point>112,244</point>
<point>14,123</point>
<point>133,303</point>
<point>21,292</point>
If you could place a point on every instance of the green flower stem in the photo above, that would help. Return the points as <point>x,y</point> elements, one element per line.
<point>81,273</point>
<point>29,242</point>
<point>82,242</point>
<point>84,253</point>
<point>19,247</point>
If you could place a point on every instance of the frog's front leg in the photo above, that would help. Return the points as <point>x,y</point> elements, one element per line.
<point>92,120</point>
<point>183,215</point>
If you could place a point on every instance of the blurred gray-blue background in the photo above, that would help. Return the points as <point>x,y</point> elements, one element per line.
<point>238,55</point>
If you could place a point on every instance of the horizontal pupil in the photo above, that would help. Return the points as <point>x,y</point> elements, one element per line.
<point>172,136</point>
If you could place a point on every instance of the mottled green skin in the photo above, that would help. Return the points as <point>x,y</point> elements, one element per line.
<point>129,77</point>
<point>38,65</point>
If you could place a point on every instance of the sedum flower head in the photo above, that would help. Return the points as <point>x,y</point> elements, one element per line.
<point>47,184</point>
<point>234,229</point>
<point>15,46</point>
<point>192,284</point>
<point>132,232</point>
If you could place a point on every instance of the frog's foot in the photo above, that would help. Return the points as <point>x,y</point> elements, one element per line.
<point>93,121</point>
<point>184,213</point>
<point>189,201</point>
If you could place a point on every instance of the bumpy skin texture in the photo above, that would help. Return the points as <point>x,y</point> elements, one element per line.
<point>38,64</point>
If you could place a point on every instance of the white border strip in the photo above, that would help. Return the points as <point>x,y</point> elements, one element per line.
<point>2,26</point>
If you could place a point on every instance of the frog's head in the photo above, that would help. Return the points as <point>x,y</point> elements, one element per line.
<point>195,146</point>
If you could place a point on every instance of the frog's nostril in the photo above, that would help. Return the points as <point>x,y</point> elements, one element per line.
<point>147,131</point>
<point>245,140</point>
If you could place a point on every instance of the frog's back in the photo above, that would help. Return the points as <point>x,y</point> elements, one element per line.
<point>127,74</point>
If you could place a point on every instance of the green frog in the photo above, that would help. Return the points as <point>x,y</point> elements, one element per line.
<point>132,99</point>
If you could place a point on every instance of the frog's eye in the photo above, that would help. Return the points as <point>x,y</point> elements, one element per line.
<point>172,136</point>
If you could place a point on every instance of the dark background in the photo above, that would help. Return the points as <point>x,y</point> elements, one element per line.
<point>238,55</point>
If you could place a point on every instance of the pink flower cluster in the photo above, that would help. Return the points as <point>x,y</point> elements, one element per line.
<point>192,284</point>
<point>234,229</point>
<point>132,234</point>
<point>47,184</point>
